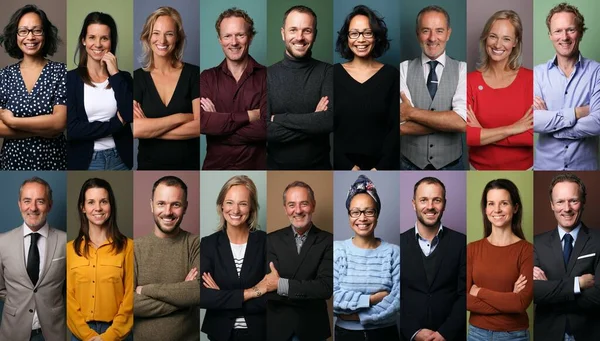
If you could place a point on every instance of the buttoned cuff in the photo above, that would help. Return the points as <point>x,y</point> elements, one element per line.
<point>576,288</point>
<point>283,287</point>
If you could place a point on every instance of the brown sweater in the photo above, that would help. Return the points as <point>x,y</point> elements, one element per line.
<point>167,309</point>
<point>495,269</point>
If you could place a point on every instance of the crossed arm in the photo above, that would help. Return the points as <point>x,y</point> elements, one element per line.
<point>179,126</point>
<point>45,125</point>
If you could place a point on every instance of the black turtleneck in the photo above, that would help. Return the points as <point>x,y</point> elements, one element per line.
<point>298,137</point>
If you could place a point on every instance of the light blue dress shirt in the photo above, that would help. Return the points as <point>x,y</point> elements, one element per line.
<point>566,143</point>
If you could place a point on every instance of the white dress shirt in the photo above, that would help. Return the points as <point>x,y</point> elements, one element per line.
<point>41,244</point>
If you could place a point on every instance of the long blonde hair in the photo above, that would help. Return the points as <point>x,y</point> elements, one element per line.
<point>514,60</point>
<point>147,58</point>
<point>249,184</point>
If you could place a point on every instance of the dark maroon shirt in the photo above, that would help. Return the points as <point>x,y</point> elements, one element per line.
<point>232,141</point>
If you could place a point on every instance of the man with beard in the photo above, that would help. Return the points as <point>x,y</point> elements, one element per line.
<point>301,277</point>
<point>233,98</point>
<point>434,265</point>
<point>300,99</point>
<point>566,289</point>
<point>166,270</point>
<point>567,98</point>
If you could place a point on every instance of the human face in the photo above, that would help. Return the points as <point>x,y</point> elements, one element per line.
<point>501,40</point>
<point>566,204</point>
<point>298,34</point>
<point>363,226</point>
<point>34,205</point>
<point>236,207</point>
<point>499,208</point>
<point>164,36</point>
<point>168,208</point>
<point>361,46</point>
<point>97,41</point>
<point>31,45</point>
<point>234,38</point>
<point>299,208</point>
<point>564,34</point>
<point>96,206</point>
<point>429,204</point>
<point>433,33</point>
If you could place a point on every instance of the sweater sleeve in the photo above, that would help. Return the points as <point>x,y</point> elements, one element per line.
<point>345,301</point>
<point>474,303</point>
<point>145,306</point>
<point>524,139</point>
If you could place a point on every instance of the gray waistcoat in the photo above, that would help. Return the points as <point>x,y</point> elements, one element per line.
<point>439,148</point>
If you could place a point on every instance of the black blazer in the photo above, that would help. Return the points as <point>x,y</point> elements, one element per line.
<point>555,299</point>
<point>441,306</point>
<point>304,311</point>
<point>225,305</point>
<point>82,133</point>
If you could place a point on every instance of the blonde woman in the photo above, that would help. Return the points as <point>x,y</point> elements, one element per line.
<point>232,265</point>
<point>499,99</point>
<point>166,104</point>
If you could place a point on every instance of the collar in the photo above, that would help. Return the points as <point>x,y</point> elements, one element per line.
<point>296,234</point>
<point>441,59</point>
<point>250,66</point>
<point>554,61</point>
<point>574,233</point>
<point>438,234</point>
<point>297,63</point>
<point>43,231</point>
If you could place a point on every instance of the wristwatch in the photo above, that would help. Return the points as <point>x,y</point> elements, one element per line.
<point>257,292</point>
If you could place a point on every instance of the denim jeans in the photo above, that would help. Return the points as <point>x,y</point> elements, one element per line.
<point>107,159</point>
<point>101,327</point>
<point>478,334</point>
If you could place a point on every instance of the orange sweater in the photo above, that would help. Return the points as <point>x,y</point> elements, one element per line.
<point>495,269</point>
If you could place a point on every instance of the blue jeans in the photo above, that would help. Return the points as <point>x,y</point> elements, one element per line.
<point>101,327</point>
<point>478,334</point>
<point>107,159</point>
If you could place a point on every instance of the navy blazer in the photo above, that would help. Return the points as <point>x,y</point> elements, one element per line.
<point>225,305</point>
<point>82,133</point>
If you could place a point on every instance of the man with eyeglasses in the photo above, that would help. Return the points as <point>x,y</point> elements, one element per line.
<point>566,286</point>
<point>566,106</point>
<point>300,281</point>
<point>433,276</point>
<point>233,99</point>
<point>300,99</point>
<point>433,97</point>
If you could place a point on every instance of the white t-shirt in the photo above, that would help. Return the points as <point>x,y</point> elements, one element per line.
<point>100,105</point>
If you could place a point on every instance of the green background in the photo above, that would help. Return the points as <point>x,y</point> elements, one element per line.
<point>476,182</point>
<point>122,13</point>
<point>321,47</point>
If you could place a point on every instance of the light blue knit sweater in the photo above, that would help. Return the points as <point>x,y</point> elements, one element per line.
<point>358,273</point>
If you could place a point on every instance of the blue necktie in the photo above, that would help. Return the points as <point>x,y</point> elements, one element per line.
<point>568,248</point>
<point>432,81</point>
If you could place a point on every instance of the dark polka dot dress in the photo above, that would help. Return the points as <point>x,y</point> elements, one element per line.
<point>33,153</point>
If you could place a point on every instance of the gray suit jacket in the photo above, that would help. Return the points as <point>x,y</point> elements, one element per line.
<point>555,299</point>
<point>21,297</point>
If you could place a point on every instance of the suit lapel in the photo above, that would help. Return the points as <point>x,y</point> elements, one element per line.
<point>582,239</point>
<point>249,256</point>
<point>51,243</point>
<point>21,247</point>
<point>310,240</point>
<point>554,244</point>
<point>227,256</point>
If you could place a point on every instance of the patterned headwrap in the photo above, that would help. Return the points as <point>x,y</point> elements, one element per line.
<point>363,185</point>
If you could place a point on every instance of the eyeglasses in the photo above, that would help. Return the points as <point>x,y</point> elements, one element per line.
<point>369,212</point>
<point>356,34</point>
<point>24,32</point>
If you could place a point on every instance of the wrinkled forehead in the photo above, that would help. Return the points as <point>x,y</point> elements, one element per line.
<point>33,191</point>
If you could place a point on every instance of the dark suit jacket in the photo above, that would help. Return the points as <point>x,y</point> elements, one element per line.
<point>82,133</point>
<point>304,311</point>
<point>225,305</point>
<point>555,299</point>
<point>442,305</point>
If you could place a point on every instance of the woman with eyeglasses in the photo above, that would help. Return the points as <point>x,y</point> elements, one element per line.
<point>366,96</point>
<point>366,273</point>
<point>33,112</point>
<point>500,268</point>
<point>99,110</point>
<point>166,95</point>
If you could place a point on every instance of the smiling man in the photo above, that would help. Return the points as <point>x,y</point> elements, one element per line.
<point>566,269</point>
<point>433,95</point>
<point>166,270</point>
<point>567,98</point>
<point>300,99</point>
<point>301,277</point>
<point>434,265</point>
<point>233,99</point>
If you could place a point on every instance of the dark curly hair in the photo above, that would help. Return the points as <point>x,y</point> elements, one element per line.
<point>9,35</point>
<point>381,44</point>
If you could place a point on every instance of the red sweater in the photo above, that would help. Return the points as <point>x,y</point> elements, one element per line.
<point>497,108</point>
<point>495,269</point>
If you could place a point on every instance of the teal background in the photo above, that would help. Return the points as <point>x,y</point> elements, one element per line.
<point>456,47</point>
<point>388,9</point>
<point>211,53</point>
<point>321,47</point>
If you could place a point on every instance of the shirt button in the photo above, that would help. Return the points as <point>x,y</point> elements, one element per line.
<point>31,310</point>
<point>430,146</point>
<point>432,109</point>
<point>566,147</point>
<point>431,157</point>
